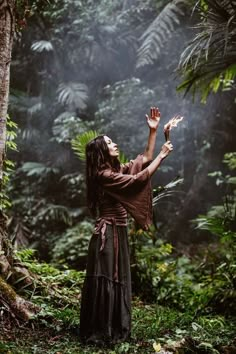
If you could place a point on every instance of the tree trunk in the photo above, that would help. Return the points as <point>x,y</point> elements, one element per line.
<point>7,24</point>
<point>10,269</point>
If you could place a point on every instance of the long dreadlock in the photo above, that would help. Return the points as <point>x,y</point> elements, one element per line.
<point>97,159</point>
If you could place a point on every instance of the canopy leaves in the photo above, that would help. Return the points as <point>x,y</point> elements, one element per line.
<point>159,32</point>
<point>209,60</point>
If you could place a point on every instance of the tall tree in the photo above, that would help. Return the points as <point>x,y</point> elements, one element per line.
<point>10,269</point>
<point>7,25</point>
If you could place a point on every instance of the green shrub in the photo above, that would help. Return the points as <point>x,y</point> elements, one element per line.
<point>57,292</point>
<point>204,282</point>
<point>71,248</point>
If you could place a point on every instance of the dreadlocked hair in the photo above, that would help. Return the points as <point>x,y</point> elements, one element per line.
<point>97,159</point>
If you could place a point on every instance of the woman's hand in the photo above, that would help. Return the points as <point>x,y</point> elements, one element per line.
<point>166,149</point>
<point>173,122</point>
<point>154,119</point>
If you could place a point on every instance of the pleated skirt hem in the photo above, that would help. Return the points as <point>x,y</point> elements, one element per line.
<point>105,311</point>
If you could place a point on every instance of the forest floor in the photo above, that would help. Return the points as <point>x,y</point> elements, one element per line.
<point>155,329</point>
<point>189,325</point>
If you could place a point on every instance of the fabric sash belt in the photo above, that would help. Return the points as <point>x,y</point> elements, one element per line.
<point>100,229</point>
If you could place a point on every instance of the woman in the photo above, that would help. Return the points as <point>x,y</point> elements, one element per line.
<point>113,190</point>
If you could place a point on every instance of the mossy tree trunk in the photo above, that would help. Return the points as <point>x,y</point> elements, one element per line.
<point>10,269</point>
<point>7,24</point>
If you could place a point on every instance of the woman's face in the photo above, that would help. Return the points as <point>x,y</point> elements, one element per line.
<point>113,148</point>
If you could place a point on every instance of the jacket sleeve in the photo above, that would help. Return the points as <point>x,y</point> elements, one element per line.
<point>134,165</point>
<point>133,190</point>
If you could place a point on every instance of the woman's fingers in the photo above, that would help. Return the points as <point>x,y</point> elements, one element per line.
<point>166,149</point>
<point>167,126</point>
<point>176,120</point>
<point>154,113</point>
<point>157,112</point>
<point>169,145</point>
<point>151,112</point>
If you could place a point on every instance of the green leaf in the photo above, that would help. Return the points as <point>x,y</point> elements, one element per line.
<point>73,94</point>
<point>232,180</point>
<point>79,143</point>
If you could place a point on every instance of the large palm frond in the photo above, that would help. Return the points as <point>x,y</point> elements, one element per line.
<point>73,94</point>
<point>80,142</point>
<point>209,61</point>
<point>159,31</point>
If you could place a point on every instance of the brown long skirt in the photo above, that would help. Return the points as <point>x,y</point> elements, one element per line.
<point>106,304</point>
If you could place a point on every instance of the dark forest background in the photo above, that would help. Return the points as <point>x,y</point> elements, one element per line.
<point>80,66</point>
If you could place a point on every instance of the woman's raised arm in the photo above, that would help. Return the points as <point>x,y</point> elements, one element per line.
<point>152,122</point>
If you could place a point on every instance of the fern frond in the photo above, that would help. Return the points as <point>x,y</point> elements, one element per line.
<point>41,46</point>
<point>73,94</point>
<point>159,31</point>
<point>167,192</point>
<point>209,61</point>
<point>79,143</point>
<point>122,158</point>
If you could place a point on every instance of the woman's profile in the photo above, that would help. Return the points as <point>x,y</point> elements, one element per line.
<point>113,189</point>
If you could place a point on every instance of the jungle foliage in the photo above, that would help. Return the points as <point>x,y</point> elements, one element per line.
<point>204,279</point>
<point>72,87</point>
<point>209,60</point>
<point>85,66</point>
<point>165,280</point>
<point>91,73</point>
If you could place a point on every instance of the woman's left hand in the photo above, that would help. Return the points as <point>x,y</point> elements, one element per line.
<point>154,119</point>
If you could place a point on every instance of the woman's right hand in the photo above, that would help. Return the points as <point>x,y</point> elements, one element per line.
<point>166,149</point>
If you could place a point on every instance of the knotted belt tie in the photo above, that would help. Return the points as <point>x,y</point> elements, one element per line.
<point>100,229</point>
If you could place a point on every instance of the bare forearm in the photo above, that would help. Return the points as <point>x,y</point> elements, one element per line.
<point>155,164</point>
<point>152,122</point>
<point>149,151</point>
<point>165,151</point>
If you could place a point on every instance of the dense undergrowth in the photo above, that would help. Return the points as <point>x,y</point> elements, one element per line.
<point>155,328</point>
<point>183,317</point>
<point>184,298</point>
